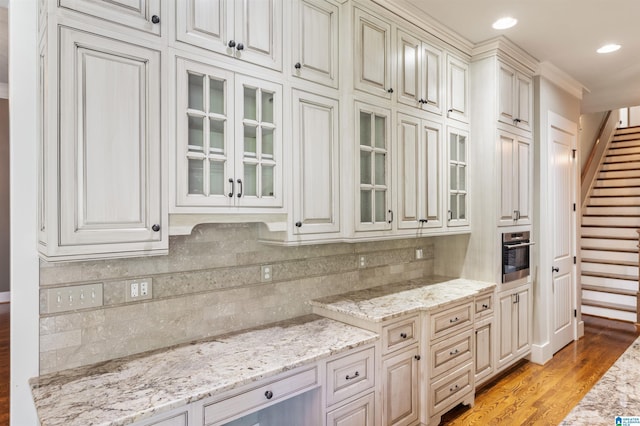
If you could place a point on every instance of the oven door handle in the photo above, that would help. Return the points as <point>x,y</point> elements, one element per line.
<point>515,246</point>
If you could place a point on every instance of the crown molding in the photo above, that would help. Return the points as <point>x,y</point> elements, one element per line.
<point>560,78</point>
<point>503,47</point>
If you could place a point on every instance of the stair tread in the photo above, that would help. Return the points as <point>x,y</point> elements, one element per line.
<point>608,305</point>
<point>610,262</point>
<point>607,237</point>
<point>609,275</point>
<point>609,249</point>
<point>602,289</point>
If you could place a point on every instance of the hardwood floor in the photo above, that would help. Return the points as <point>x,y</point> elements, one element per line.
<point>4,363</point>
<point>533,394</point>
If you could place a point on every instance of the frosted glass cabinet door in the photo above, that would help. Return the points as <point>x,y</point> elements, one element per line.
<point>110,147</point>
<point>373,164</point>
<point>457,177</point>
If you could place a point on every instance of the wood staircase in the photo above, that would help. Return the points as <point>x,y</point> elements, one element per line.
<point>609,244</point>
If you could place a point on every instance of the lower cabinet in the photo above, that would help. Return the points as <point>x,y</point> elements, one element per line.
<point>484,337</point>
<point>400,374</point>
<point>513,325</point>
<point>182,416</point>
<point>360,412</point>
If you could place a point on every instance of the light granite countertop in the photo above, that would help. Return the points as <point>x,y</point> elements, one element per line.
<point>390,301</point>
<point>126,390</point>
<point>617,393</point>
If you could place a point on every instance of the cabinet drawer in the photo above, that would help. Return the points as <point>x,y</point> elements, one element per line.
<point>450,320</point>
<point>399,335</point>
<point>450,353</point>
<point>360,412</point>
<point>264,395</point>
<point>350,375</point>
<point>448,390</point>
<point>484,305</point>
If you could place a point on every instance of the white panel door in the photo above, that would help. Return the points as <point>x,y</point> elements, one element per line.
<point>457,89</point>
<point>400,389</point>
<point>144,15</point>
<point>524,105</point>
<point>315,41</point>
<point>431,79</point>
<point>409,69</point>
<point>258,32</point>
<point>562,199</point>
<point>505,327</point>
<point>372,61</point>
<point>110,146</point>
<point>316,164</point>
<point>506,95</point>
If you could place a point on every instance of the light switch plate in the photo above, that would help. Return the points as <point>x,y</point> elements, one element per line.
<point>63,299</point>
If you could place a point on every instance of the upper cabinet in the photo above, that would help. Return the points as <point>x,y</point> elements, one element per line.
<point>515,97</point>
<point>372,54</point>
<point>229,149</point>
<point>457,89</point>
<point>315,47</point>
<point>101,151</point>
<point>419,73</point>
<point>250,30</point>
<point>144,15</point>
<point>515,167</point>
<point>457,183</point>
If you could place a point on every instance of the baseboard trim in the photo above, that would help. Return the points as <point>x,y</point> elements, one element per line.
<point>5,297</point>
<point>540,354</point>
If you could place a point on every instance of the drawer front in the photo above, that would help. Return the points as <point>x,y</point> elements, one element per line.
<point>264,395</point>
<point>450,353</point>
<point>484,305</point>
<point>450,320</point>
<point>360,412</point>
<point>451,388</point>
<point>350,375</point>
<point>399,335</point>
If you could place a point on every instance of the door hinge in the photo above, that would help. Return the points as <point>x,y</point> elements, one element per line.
<point>574,153</point>
<point>574,207</point>
<point>574,260</point>
<point>575,313</point>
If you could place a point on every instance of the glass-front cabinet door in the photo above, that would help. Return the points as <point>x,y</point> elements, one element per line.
<point>228,138</point>
<point>373,137</point>
<point>458,149</point>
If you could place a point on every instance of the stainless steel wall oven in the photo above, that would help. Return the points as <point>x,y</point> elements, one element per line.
<point>515,255</point>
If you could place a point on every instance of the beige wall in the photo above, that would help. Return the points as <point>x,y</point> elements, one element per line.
<point>4,196</point>
<point>209,284</point>
<point>589,127</point>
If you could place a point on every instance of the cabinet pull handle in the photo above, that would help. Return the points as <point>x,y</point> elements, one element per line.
<point>298,224</point>
<point>455,388</point>
<point>298,65</point>
<point>514,216</point>
<point>391,213</point>
<point>357,374</point>
<point>423,221</point>
<point>155,227</point>
<point>268,394</point>
<point>456,319</point>
<point>232,44</point>
<point>155,19</point>
<point>240,191</point>
<point>454,352</point>
<point>233,187</point>
<point>403,335</point>
<point>485,306</point>
<point>240,46</point>
<point>516,121</point>
<point>449,215</point>
<point>417,357</point>
<point>450,110</point>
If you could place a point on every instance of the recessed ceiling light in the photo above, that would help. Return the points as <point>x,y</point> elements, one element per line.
<point>504,23</point>
<point>608,48</point>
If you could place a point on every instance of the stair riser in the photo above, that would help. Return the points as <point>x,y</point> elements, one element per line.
<point>620,174</point>
<point>615,192</point>
<point>610,269</point>
<point>614,211</point>
<point>619,166</point>
<point>609,232</point>
<point>617,183</point>
<point>609,282</point>
<point>616,150</point>
<point>614,201</point>
<point>600,243</point>
<point>608,313</point>
<point>614,256</point>
<point>627,130</point>
<point>625,143</point>
<point>612,222</point>
<point>622,158</point>
<point>619,299</point>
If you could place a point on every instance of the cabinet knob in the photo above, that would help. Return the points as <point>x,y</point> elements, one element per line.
<point>240,46</point>
<point>298,224</point>
<point>155,227</point>
<point>155,19</point>
<point>403,335</point>
<point>268,394</point>
<point>485,306</point>
<point>231,43</point>
<point>298,65</point>
<point>417,357</point>
<point>390,90</point>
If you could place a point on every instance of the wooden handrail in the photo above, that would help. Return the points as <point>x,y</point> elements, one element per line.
<point>592,154</point>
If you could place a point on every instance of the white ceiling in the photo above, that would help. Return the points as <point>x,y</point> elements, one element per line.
<point>565,33</point>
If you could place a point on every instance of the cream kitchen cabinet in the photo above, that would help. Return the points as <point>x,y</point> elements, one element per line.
<point>400,391</point>
<point>101,154</point>
<point>315,47</point>
<point>419,172</point>
<point>145,15</point>
<point>484,330</point>
<point>182,416</point>
<point>229,140</point>
<point>458,107</point>
<point>372,171</point>
<point>514,320</point>
<point>515,188</point>
<point>457,177</point>
<point>419,73</point>
<point>250,30</point>
<point>372,59</point>
<point>360,412</point>
<point>515,100</point>
<point>316,166</point>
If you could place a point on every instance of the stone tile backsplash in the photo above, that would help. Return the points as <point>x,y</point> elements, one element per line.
<point>210,284</point>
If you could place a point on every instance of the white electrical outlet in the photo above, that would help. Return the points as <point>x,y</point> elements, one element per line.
<point>363,261</point>
<point>419,253</point>
<point>138,289</point>
<point>64,299</point>
<point>266,273</point>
